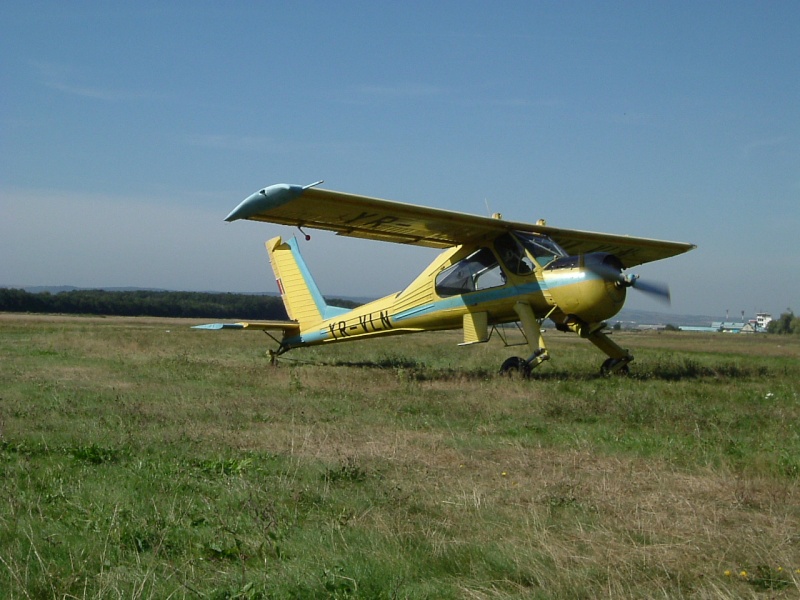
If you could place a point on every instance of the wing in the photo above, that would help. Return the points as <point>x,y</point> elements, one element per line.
<point>631,251</point>
<point>390,221</point>
<point>288,327</point>
<point>361,216</point>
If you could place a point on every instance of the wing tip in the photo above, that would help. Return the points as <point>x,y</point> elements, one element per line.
<point>266,198</point>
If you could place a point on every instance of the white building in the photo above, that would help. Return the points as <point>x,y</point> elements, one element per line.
<point>762,320</point>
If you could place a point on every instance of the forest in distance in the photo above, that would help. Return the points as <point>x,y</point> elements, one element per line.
<point>228,305</point>
<point>149,303</point>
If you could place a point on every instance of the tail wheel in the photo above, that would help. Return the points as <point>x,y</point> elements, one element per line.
<point>515,367</point>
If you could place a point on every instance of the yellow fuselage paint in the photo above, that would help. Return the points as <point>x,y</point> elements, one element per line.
<point>560,295</point>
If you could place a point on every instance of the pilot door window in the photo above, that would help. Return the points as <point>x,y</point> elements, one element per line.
<point>513,255</point>
<point>479,271</point>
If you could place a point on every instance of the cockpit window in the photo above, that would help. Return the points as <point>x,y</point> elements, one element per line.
<point>541,247</point>
<point>513,255</point>
<point>479,271</point>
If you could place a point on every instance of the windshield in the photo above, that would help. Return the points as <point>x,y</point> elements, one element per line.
<point>543,249</point>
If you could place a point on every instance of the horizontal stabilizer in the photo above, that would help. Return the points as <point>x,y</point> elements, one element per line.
<point>285,326</point>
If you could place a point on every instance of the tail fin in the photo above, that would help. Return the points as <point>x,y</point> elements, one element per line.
<point>301,296</point>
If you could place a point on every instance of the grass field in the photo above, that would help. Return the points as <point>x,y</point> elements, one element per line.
<point>142,459</point>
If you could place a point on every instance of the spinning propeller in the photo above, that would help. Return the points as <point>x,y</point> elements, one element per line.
<point>610,270</point>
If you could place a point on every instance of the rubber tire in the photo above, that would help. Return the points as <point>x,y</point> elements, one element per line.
<point>515,366</point>
<point>605,368</point>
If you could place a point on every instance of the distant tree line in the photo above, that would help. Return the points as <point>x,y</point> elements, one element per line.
<point>786,323</point>
<point>142,303</point>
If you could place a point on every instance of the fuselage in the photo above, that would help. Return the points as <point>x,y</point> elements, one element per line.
<point>487,280</point>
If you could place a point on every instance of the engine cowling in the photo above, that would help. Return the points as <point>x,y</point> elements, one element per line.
<point>578,289</point>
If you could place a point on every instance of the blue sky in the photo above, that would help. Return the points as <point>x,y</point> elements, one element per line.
<point>130,130</point>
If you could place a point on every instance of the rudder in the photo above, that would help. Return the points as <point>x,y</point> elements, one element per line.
<point>301,296</point>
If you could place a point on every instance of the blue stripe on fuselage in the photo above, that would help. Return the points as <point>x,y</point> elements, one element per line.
<point>471,299</point>
<point>490,295</point>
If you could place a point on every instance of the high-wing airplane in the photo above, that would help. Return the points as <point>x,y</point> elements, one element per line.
<point>491,272</point>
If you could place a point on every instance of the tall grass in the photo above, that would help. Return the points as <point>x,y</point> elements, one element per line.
<point>143,459</point>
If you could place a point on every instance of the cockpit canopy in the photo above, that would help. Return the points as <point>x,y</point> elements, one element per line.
<point>520,253</point>
<point>516,249</point>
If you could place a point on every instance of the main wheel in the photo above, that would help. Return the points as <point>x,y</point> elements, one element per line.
<point>515,366</point>
<point>605,368</point>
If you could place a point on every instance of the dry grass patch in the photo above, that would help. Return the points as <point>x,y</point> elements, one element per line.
<point>141,463</point>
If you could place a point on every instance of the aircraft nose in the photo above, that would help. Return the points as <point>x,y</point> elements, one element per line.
<point>587,290</point>
<point>605,265</point>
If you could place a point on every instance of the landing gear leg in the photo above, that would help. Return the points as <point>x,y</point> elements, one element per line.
<point>533,333</point>
<point>274,354</point>
<point>618,357</point>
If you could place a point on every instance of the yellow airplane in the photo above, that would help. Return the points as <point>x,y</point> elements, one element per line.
<point>491,272</point>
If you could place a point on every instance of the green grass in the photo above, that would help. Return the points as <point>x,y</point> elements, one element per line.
<point>142,459</point>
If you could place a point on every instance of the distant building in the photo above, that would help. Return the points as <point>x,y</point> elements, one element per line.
<point>762,320</point>
<point>757,325</point>
<point>727,326</point>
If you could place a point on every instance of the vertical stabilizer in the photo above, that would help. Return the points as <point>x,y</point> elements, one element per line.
<point>301,296</point>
